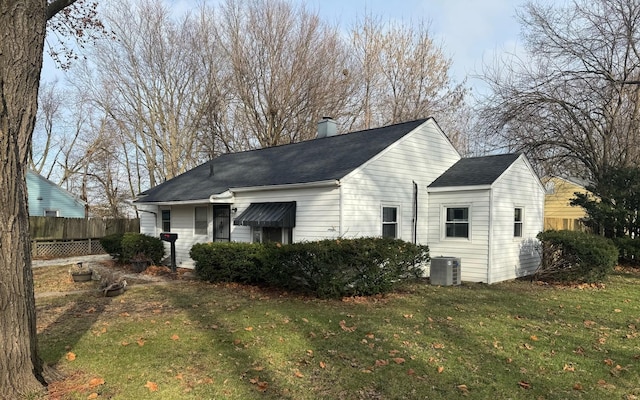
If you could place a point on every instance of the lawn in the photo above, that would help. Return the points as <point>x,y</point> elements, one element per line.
<point>192,340</point>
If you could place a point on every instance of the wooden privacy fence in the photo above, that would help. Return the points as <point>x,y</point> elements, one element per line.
<point>64,237</point>
<point>55,228</point>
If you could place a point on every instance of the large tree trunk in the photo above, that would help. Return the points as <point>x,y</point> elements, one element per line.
<point>22,31</point>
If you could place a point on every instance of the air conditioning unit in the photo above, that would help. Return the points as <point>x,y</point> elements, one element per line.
<point>445,271</point>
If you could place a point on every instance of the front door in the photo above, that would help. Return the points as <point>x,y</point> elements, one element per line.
<point>221,223</point>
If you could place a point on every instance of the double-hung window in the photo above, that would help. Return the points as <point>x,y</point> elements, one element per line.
<point>517,222</point>
<point>390,222</point>
<point>200,222</point>
<point>457,222</point>
<point>166,220</point>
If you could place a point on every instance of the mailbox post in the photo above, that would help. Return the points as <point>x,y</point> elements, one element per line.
<point>171,238</point>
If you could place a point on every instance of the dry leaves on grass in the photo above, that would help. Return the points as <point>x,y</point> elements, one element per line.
<point>152,386</point>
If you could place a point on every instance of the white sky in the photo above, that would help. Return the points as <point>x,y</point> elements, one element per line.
<point>470,31</point>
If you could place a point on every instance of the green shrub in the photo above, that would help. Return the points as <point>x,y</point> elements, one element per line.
<point>227,262</point>
<point>327,268</point>
<point>343,267</point>
<point>571,256</point>
<point>629,249</point>
<point>136,245</point>
<point>112,244</point>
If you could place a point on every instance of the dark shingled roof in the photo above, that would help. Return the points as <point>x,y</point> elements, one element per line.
<point>475,171</point>
<point>311,161</point>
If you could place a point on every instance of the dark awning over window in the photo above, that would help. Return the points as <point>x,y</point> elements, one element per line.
<point>282,215</point>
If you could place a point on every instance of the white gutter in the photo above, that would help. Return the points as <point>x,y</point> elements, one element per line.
<point>174,203</point>
<point>457,188</point>
<point>224,197</point>
<point>317,184</point>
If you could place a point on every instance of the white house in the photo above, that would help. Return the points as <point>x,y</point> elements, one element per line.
<point>405,181</point>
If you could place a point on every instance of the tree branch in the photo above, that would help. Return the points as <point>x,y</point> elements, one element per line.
<point>56,6</point>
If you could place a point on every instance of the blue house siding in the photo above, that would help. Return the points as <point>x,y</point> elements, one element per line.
<point>47,198</point>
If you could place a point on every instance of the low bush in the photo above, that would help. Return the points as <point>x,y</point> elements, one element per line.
<point>137,245</point>
<point>327,268</point>
<point>227,262</point>
<point>571,256</point>
<point>112,244</point>
<point>629,250</point>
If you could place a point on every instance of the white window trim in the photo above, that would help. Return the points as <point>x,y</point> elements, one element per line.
<point>194,221</point>
<point>162,221</point>
<point>522,220</point>
<point>443,225</point>
<point>398,218</point>
<point>49,210</point>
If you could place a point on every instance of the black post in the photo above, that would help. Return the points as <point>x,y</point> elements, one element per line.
<point>173,256</point>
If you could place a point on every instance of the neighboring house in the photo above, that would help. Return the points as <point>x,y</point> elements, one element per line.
<point>404,181</point>
<point>559,214</point>
<point>46,199</point>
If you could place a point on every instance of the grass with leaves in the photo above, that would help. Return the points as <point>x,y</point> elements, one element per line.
<point>193,340</point>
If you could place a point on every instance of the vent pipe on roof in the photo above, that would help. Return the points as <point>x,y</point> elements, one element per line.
<point>327,127</point>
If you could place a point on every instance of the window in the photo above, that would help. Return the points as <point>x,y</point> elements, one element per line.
<point>200,221</point>
<point>50,213</point>
<point>390,222</point>
<point>517,222</point>
<point>267,234</point>
<point>166,220</point>
<point>457,222</point>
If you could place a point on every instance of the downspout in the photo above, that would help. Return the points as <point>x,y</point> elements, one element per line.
<point>490,237</point>
<point>415,212</point>
<point>341,211</point>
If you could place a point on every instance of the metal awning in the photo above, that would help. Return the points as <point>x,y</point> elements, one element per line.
<point>279,214</point>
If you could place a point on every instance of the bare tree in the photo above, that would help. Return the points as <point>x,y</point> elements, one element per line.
<point>401,75</point>
<point>572,102</point>
<point>152,82</point>
<point>287,70</point>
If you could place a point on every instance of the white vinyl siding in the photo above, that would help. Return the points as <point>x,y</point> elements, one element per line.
<point>511,256</point>
<point>317,212</point>
<point>473,251</point>
<point>389,178</point>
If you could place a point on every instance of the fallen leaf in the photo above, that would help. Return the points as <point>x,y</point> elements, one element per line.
<point>463,388</point>
<point>140,342</point>
<point>152,386</point>
<point>408,316</point>
<point>609,362</point>
<point>411,372</point>
<point>262,386</point>
<point>124,314</point>
<point>305,320</point>
<point>438,346</point>
<point>577,386</point>
<point>179,376</point>
<point>71,356</point>
<point>569,368</point>
<point>323,365</point>
<point>380,363</point>
<point>534,338</point>
<point>398,360</point>
<point>617,310</point>
<point>93,395</point>
<point>298,374</point>
<point>96,382</point>
<point>346,328</point>
<point>175,337</point>
<point>524,385</point>
<point>248,328</point>
<point>440,369</point>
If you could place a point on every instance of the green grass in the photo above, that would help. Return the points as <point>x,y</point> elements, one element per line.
<point>194,340</point>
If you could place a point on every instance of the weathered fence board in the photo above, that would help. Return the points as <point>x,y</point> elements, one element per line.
<point>55,228</point>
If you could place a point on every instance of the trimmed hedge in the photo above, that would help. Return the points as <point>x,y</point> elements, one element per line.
<point>571,256</point>
<point>137,244</point>
<point>327,268</point>
<point>112,244</point>
<point>228,262</point>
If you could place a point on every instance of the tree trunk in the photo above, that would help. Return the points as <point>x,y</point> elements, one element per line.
<point>22,31</point>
